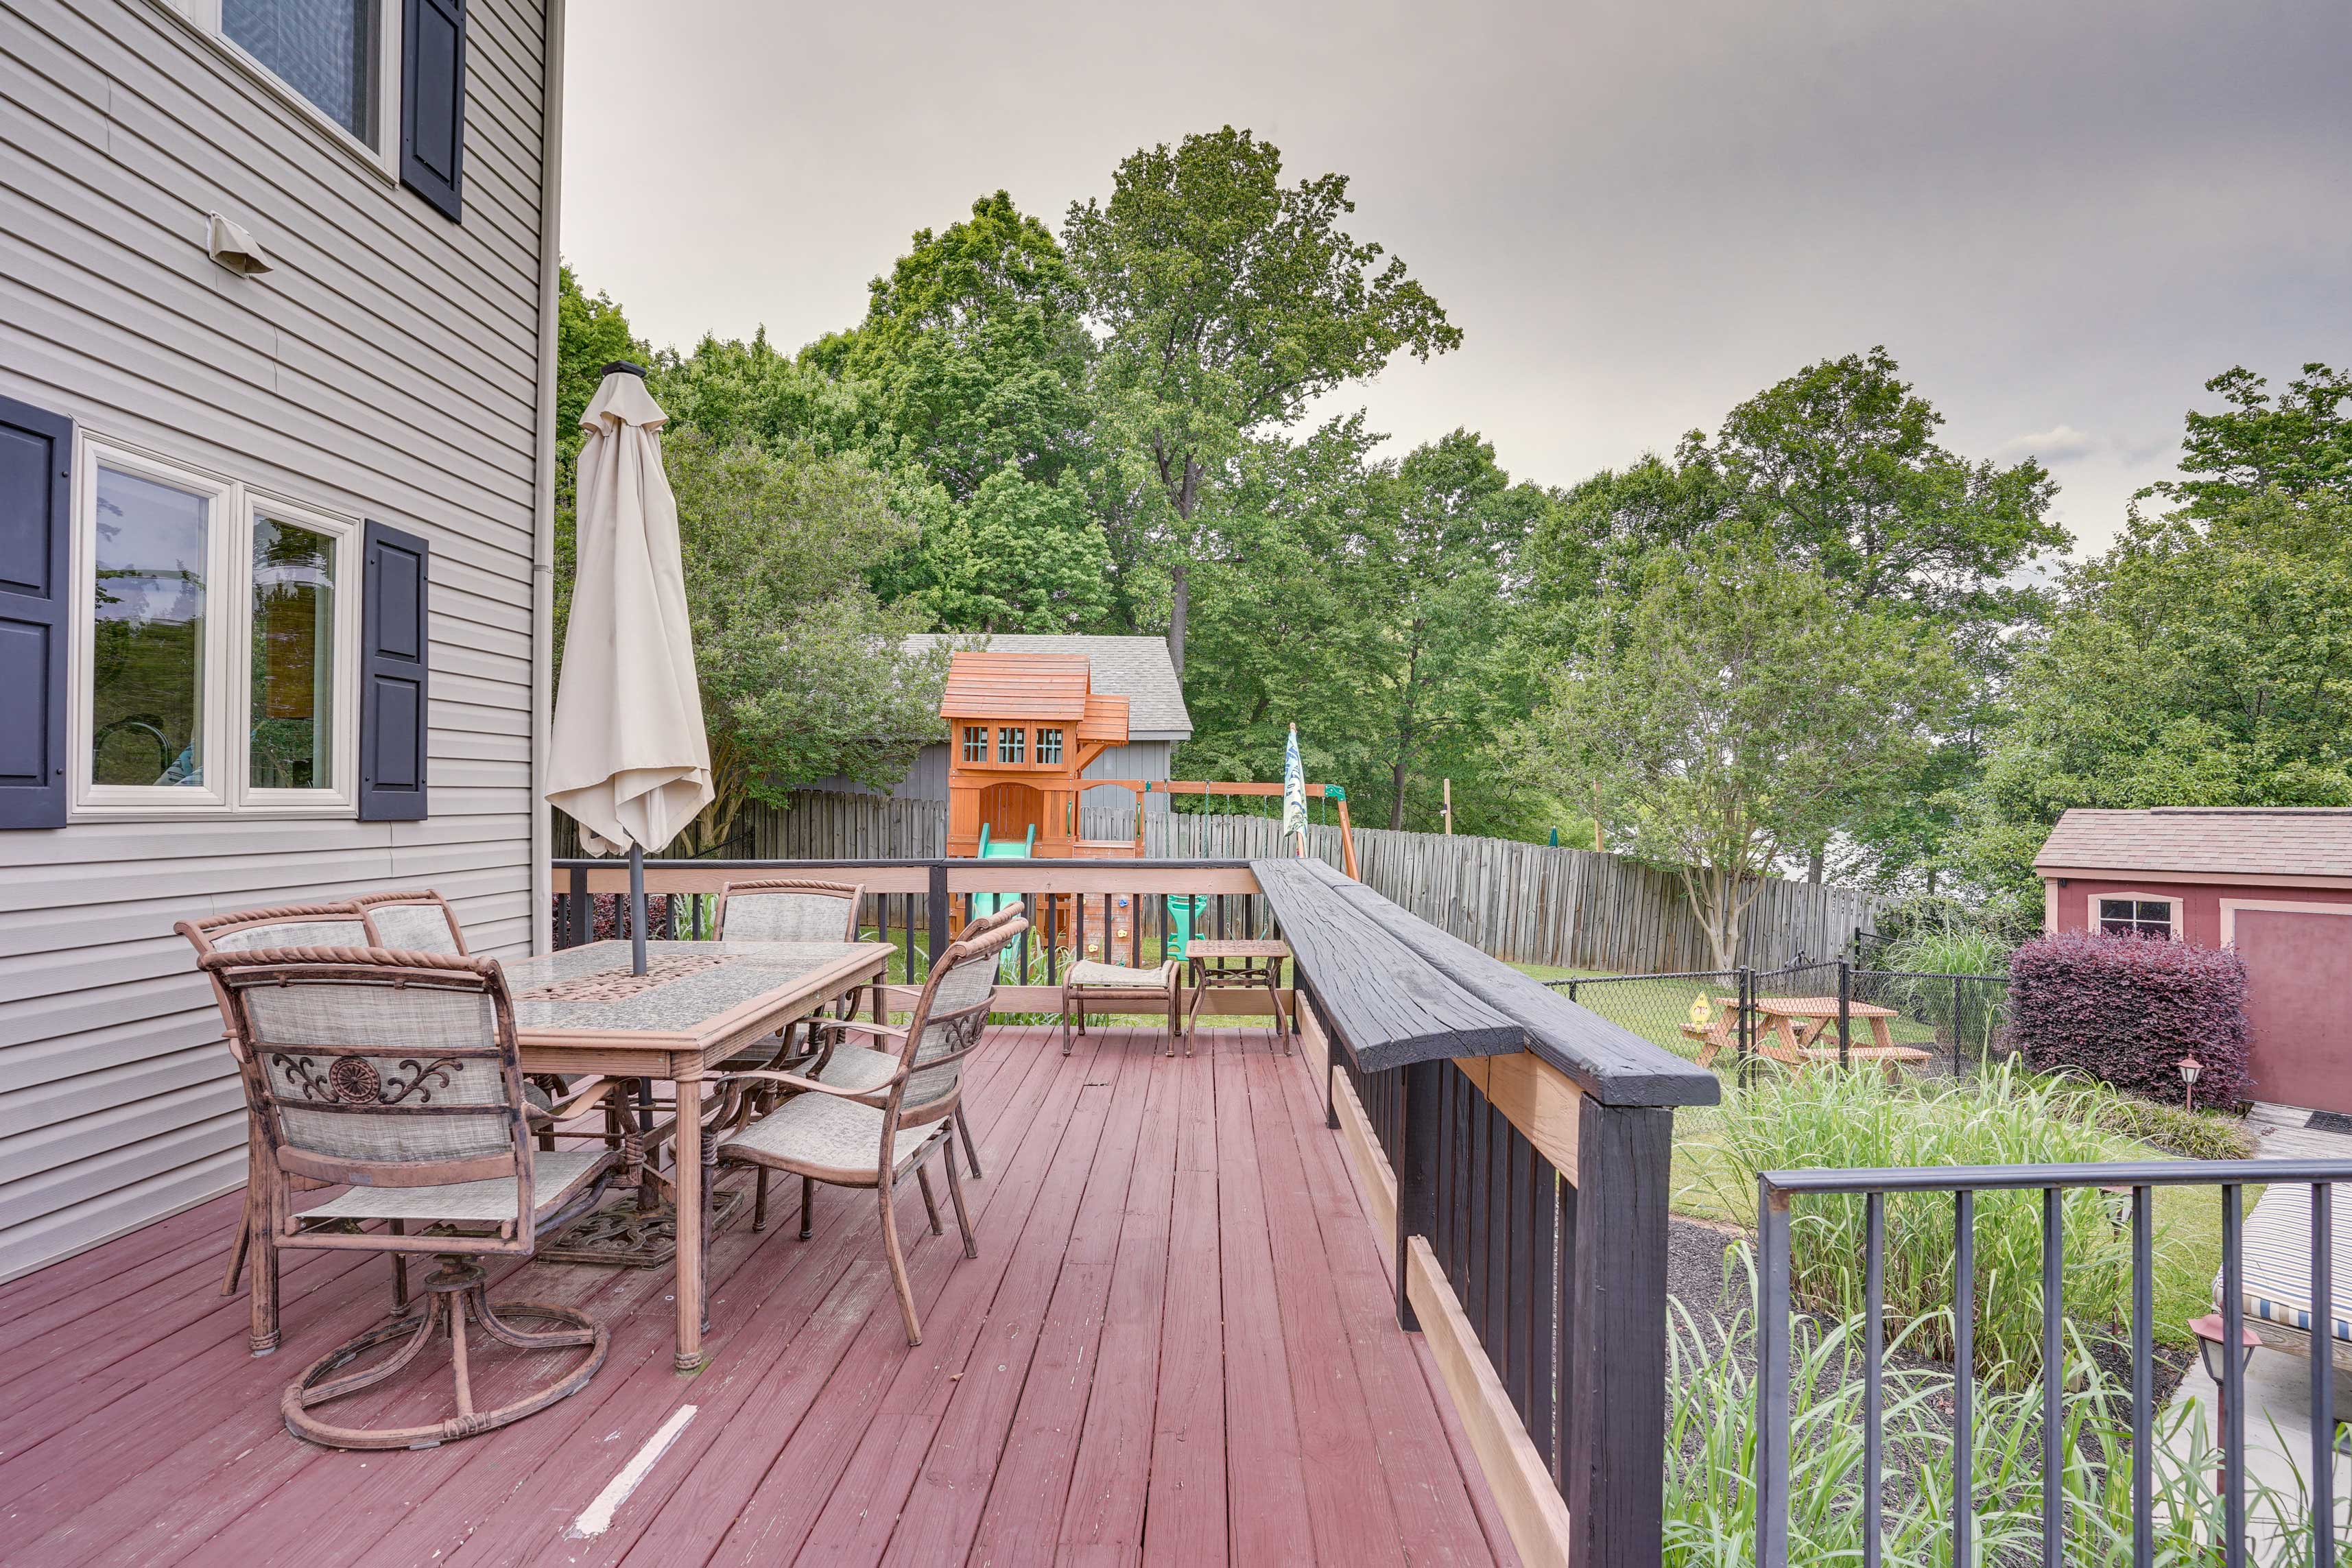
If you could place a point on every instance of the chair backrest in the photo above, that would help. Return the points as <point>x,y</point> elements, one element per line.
<point>418,921</point>
<point>789,908</point>
<point>380,1068</point>
<point>953,1008</point>
<point>288,925</point>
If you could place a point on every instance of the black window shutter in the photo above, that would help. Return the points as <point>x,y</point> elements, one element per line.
<point>393,658</point>
<point>433,102</point>
<point>36,517</point>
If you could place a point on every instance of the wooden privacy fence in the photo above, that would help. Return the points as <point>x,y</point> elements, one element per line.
<point>1528,903</point>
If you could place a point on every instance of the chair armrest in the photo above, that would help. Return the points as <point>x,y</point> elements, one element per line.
<point>588,1096</point>
<point>809,1085</point>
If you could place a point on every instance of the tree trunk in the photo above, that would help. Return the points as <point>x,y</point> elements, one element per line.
<point>1180,599</point>
<point>1813,866</point>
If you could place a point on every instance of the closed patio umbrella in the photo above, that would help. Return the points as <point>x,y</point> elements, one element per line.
<point>1294,796</point>
<point>628,759</point>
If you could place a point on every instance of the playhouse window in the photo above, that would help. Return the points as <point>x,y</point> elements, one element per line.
<point>1012,745</point>
<point>1049,748</point>
<point>975,743</point>
<point>2136,917</point>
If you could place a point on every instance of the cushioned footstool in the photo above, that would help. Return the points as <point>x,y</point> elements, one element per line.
<point>1096,988</point>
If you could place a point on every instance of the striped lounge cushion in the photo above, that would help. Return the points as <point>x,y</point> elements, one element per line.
<point>2278,1259</point>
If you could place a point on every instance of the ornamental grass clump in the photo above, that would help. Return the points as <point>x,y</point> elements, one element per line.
<point>1710,1501</point>
<point>1854,1117</point>
<point>2125,1010</point>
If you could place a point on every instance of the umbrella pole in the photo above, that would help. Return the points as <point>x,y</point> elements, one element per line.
<point>636,909</point>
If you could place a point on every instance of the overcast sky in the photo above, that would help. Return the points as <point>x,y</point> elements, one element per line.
<point>2059,216</point>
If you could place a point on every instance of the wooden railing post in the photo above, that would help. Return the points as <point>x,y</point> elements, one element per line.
<point>1614,1380</point>
<point>1414,1161</point>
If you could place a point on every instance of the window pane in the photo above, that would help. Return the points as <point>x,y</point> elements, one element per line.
<point>1011,745</point>
<point>975,743</point>
<point>324,49</point>
<point>1049,748</point>
<point>2156,914</point>
<point>2115,910</point>
<point>293,658</point>
<point>147,649</point>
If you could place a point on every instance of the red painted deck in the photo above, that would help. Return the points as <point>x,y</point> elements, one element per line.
<point>1176,1346</point>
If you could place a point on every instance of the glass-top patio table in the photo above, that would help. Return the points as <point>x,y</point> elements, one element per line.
<point>698,1003</point>
<point>581,1011</point>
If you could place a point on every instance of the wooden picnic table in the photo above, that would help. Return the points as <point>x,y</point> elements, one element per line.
<point>578,1010</point>
<point>1781,1038</point>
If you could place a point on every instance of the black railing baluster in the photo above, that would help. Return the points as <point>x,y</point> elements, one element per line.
<point>1517,1277</point>
<point>2323,1376</point>
<point>2233,1372</point>
<point>1563,1324</point>
<point>1772,1386</point>
<point>1543,1315</point>
<point>2143,1359</point>
<point>2053,1376</point>
<point>1052,950</point>
<point>908,974</point>
<point>1501,1222</point>
<point>1134,930</point>
<point>1964,1350</point>
<point>1456,1162</point>
<point>1470,1284</point>
<point>1874,1376</point>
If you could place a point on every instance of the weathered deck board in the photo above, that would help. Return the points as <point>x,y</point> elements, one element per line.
<point>1178,1345</point>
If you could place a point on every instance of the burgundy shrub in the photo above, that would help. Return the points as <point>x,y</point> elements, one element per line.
<point>2126,1009</point>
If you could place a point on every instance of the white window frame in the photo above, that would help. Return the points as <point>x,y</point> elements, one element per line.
<point>227,694</point>
<point>2169,900</point>
<point>204,17</point>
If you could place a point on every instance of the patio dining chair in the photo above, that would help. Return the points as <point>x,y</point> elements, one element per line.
<point>412,921</point>
<point>879,1111</point>
<point>788,909</point>
<point>287,925</point>
<point>398,1077</point>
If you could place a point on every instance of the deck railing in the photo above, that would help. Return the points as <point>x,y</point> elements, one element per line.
<point>1514,1148</point>
<point>2230,1536</point>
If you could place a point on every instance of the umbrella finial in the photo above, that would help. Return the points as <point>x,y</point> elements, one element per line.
<point>622,367</point>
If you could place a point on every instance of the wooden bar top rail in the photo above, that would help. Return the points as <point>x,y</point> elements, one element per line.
<point>1524,1120</point>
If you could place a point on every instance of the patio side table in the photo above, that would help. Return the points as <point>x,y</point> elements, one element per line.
<point>1243,965</point>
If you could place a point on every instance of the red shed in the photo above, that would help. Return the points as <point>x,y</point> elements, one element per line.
<point>2276,882</point>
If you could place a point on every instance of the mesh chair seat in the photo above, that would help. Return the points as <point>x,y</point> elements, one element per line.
<point>557,1176</point>
<point>823,1129</point>
<point>1087,973</point>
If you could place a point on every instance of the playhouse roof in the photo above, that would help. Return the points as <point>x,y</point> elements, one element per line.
<point>2260,841</point>
<point>1015,686</point>
<point>1137,668</point>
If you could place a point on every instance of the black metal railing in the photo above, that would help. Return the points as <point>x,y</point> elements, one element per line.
<point>1139,929</point>
<point>1779,1192</point>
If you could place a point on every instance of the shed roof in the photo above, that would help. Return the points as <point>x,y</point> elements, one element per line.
<point>2264,841</point>
<point>1137,668</point>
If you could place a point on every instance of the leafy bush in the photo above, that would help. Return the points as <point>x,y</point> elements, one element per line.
<point>2125,1010</point>
<point>1855,1119</point>
<point>1710,1463</point>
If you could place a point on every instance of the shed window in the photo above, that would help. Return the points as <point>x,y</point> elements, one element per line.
<point>1012,745</point>
<point>1049,748</point>
<point>2136,917</point>
<point>975,743</point>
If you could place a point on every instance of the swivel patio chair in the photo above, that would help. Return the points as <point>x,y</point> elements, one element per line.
<point>878,1112</point>
<point>287,925</point>
<point>414,921</point>
<point>399,1076</point>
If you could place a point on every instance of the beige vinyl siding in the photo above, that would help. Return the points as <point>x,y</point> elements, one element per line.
<point>386,368</point>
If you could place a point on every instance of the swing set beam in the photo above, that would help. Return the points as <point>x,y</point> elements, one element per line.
<point>1142,787</point>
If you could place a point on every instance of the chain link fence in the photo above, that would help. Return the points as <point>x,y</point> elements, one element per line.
<point>1933,1024</point>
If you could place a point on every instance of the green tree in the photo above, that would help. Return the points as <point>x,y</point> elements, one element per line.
<point>1227,302</point>
<point>2299,444</point>
<point>1734,709</point>
<point>2200,661</point>
<point>1017,557</point>
<point>790,643</point>
<point>1839,467</point>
